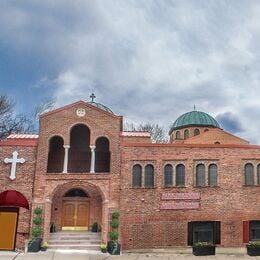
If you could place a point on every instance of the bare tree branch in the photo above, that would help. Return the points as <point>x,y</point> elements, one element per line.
<point>158,133</point>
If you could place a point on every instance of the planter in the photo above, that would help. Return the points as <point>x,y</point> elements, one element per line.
<point>43,248</point>
<point>52,228</point>
<point>103,250</point>
<point>113,248</point>
<point>94,227</point>
<point>203,250</point>
<point>35,245</point>
<point>253,251</point>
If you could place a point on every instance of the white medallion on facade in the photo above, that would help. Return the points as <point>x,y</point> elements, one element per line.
<point>14,161</point>
<point>81,112</point>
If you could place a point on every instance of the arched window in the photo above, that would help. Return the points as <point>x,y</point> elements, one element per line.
<point>258,174</point>
<point>249,174</point>
<point>206,130</point>
<point>168,175</point>
<point>76,193</point>
<point>186,134</point>
<point>79,152</point>
<point>149,176</point>
<point>213,175</point>
<point>180,175</point>
<point>137,176</point>
<point>217,142</point>
<point>196,131</point>
<point>178,135</point>
<point>200,175</point>
<point>56,155</point>
<point>102,155</point>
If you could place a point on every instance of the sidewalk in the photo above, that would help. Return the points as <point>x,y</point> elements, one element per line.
<point>80,255</point>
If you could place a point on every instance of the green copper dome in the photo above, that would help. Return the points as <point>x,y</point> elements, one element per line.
<point>194,118</point>
<point>101,106</point>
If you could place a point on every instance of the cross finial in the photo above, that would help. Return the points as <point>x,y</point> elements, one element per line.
<point>92,96</point>
<point>194,108</point>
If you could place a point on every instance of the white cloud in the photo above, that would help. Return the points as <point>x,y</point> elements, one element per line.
<point>147,60</point>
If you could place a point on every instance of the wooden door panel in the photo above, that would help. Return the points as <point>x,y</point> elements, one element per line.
<point>8,222</point>
<point>82,215</point>
<point>68,215</point>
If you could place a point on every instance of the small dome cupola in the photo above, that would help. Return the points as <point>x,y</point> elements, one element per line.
<point>194,119</point>
<point>99,105</point>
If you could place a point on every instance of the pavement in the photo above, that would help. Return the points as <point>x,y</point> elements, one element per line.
<point>86,255</point>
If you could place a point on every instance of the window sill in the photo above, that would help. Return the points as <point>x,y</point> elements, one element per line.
<point>251,186</point>
<point>144,188</point>
<point>173,187</point>
<point>203,187</point>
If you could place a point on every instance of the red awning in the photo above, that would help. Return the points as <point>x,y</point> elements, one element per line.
<point>13,198</point>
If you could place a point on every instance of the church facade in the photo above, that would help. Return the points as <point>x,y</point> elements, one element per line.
<point>203,185</point>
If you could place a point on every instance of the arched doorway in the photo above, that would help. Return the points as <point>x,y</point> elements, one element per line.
<point>10,202</point>
<point>75,210</point>
<point>76,207</point>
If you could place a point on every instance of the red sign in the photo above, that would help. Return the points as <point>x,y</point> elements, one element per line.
<point>181,196</point>
<point>180,205</point>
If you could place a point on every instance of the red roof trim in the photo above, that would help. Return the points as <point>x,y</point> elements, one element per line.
<point>76,104</point>
<point>246,146</point>
<point>19,142</point>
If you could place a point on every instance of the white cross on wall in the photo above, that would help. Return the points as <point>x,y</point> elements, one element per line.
<point>14,161</point>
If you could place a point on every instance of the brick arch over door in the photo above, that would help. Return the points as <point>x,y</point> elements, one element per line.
<point>79,152</point>
<point>95,200</point>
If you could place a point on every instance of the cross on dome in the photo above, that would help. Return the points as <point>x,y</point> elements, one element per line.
<point>92,96</point>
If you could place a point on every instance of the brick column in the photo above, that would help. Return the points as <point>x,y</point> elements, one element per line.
<point>105,223</point>
<point>92,165</point>
<point>66,158</point>
<point>47,219</point>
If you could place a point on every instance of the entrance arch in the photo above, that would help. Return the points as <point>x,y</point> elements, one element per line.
<point>76,207</point>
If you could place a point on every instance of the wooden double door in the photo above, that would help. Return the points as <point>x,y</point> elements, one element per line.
<point>75,215</point>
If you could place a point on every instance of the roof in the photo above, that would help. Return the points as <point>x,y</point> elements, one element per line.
<point>101,106</point>
<point>135,134</point>
<point>194,118</point>
<point>23,136</point>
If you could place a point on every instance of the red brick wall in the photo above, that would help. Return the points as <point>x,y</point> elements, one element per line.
<point>23,183</point>
<point>145,225</point>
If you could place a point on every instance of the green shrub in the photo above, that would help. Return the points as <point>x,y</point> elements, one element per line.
<point>36,232</point>
<point>37,220</point>
<point>253,244</point>
<point>115,215</point>
<point>113,235</point>
<point>114,223</point>
<point>203,244</point>
<point>38,211</point>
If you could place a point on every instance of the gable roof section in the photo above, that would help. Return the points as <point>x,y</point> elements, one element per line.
<point>77,104</point>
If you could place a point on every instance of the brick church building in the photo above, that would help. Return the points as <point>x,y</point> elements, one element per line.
<point>204,185</point>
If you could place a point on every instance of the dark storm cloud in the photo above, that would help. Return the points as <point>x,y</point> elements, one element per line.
<point>229,122</point>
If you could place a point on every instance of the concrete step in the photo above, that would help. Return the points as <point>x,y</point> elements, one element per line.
<point>75,247</point>
<point>71,240</point>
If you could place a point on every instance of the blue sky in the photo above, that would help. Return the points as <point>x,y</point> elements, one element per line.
<point>146,60</point>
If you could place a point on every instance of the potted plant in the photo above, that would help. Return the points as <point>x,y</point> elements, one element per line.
<point>35,244</point>
<point>253,248</point>
<point>103,248</point>
<point>44,246</point>
<point>94,227</point>
<point>203,248</point>
<point>52,228</point>
<point>113,247</point>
